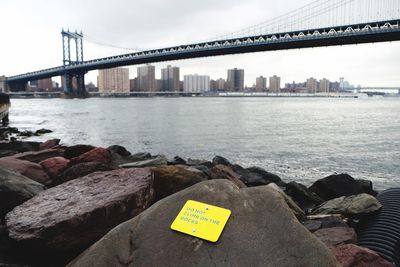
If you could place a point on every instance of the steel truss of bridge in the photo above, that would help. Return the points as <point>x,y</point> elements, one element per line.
<point>371,32</point>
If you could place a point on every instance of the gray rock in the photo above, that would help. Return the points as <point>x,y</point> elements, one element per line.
<point>303,196</point>
<point>226,172</point>
<point>352,205</point>
<point>261,231</point>
<point>169,179</point>
<point>157,161</point>
<point>15,189</point>
<point>75,214</point>
<point>255,176</point>
<point>218,160</point>
<point>297,211</point>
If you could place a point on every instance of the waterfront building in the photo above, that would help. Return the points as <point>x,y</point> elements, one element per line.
<point>261,84</point>
<point>114,80</point>
<point>146,78</point>
<point>170,79</point>
<point>324,86</point>
<point>196,83</point>
<point>274,84</point>
<point>133,84</point>
<point>235,81</point>
<point>312,85</point>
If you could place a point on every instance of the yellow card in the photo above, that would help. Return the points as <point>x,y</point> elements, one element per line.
<point>201,220</point>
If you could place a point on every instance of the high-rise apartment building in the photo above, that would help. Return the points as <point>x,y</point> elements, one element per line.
<point>113,80</point>
<point>170,79</point>
<point>235,81</point>
<point>146,78</point>
<point>261,84</point>
<point>274,84</point>
<point>196,83</point>
<point>312,85</point>
<point>324,86</point>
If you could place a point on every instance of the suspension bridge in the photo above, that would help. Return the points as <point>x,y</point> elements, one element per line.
<point>320,23</point>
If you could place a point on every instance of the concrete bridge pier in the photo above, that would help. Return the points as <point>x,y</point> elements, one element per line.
<point>3,84</point>
<point>74,84</point>
<point>20,86</point>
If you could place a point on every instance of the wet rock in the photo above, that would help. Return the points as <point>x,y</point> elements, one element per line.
<point>153,162</point>
<point>120,150</point>
<point>226,172</point>
<point>256,176</point>
<point>177,161</point>
<point>367,186</point>
<point>29,169</point>
<point>38,156</point>
<point>335,186</point>
<point>350,255</point>
<point>80,170</point>
<point>15,189</point>
<point>350,206</point>
<point>72,216</point>
<point>197,162</point>
<point>55,166</point>
<point>43,131</point>
<point>297,211</point>
<point>218,160</point>
<point>252,237</point>
<point>76,151</point>
<point>336,236</point>
<point>302,196</point>
<point>169,179</point>
<point>26,133</point>
<point>20,146</point>
<point>204,169</point>
<point>49,144</point>
<point>140,156</point>
<point>7,153</point>
<point>98,154</point>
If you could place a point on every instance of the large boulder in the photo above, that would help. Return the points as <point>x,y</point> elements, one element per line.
<point>38,156</point>
<point>226,172</point>
<point>72,216</point>
<point>15,189</point>
<point>97,154</point>
<point>255,176</point>
<point>337,185</point>
<point>49,144</point>
<point>261,231</point>
<point>153,162</point>
<point>350,255</point>
<point>336,236</point>
<point>80,170</point>
<point>169,179</point>
<point>29,169</point>
<point>76,150</point>
<point>218,160</point>
<point>302,196</point>
<point>350,206</point>
<point>120,150</point>
<point>55,166</point>
<point>20,146</point>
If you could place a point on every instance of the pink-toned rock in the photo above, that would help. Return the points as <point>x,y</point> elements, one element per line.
<point>77,150</point>
<point>28,169</point>
<point>95,155</point>
<point>55,166</point>
<point>49,144</point>
<point>226,172</point>
<point>336,236</point>
<point>350,255</point>
<point>75,214</point>
<point>38,156</point>
<point>80,170</point>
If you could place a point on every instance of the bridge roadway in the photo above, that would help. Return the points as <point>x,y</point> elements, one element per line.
<point>381,31</point>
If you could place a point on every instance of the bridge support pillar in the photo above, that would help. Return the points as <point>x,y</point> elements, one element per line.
<point>17,86</point>
<point>74,84</point>
<point>3,84</point>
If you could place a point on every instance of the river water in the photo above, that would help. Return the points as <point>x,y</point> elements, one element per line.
<point>300,139</point>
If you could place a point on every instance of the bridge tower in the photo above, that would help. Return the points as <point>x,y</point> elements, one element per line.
<point>73,79</point>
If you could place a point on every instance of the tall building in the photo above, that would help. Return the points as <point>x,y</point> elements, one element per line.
<point>274,84</point>
<point>312,85</point>
<point>235,81</point>
<point>45,85</point>
<point>196,83</point>
<point>114,80</point>
<point>146,78</point>
<point>261,84</point>
<point>170,78</point>
<point>324,86</point>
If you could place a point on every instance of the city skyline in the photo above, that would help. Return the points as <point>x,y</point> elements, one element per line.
<point>367,65</point>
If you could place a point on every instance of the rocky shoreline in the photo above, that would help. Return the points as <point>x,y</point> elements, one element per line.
<point>90,206</point>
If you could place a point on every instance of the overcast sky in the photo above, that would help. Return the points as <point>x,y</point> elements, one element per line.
<point>31,39</point>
